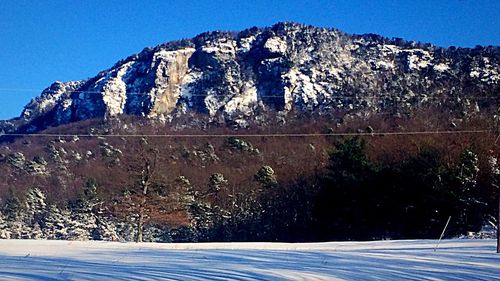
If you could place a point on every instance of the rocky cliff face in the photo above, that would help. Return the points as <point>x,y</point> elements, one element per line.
<point>237,76</point>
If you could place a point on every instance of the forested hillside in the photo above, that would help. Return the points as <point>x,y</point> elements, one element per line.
<point>130,178</point>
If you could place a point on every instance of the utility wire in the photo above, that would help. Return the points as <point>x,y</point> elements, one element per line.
<point>290,135</point>
<point>229,135</point>
<point>13,90</point>
<point>19,90</point>
<point>148,94</point>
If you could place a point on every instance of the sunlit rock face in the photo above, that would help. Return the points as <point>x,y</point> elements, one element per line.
<point>238,76</point>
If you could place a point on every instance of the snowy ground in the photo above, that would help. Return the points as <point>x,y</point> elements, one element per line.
<point>382,260</point>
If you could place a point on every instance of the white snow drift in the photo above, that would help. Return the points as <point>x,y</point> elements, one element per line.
<point>382,260</point>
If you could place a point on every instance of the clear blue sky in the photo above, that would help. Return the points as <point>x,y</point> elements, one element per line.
<point>48,40</point>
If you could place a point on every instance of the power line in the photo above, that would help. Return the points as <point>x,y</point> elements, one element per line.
<point>19,90</point>
<point>288,135</point>
<point>12,90</point>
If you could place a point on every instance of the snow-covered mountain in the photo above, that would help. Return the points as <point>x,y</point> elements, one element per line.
<point>287,67</point>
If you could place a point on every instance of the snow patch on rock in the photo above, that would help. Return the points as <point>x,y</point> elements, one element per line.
<point>243,102</point>
<point>212,103</point>
<point>303,89</point>
<point>223,49</point>
<point>187,84</point>
<point>442,67</point>
<point>275,45</point>
<point>486,73</point>
<point>246,43</point>
<point>49,98</point>
<point>114,91</point>
<point>418,59</point>
<point>384,65</point>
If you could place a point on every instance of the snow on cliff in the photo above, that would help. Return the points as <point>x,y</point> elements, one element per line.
<point>285,67</point>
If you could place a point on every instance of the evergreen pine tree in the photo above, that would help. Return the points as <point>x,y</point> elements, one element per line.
<point>105,229</point>
<point>469,217</point>
<point>189,198</point>
<point>200,211</point>
<point>17,229</point>
<point>4,231</point>
<point>266,177</point>
<point>126,230</point>
<point>15,219</point>
<point>217,187</point>
<point>343,201</point>
<point>81,224</point>
<point>56,223</point>
<point>36,232</point>
<point>155,234</point>
<point>34,212</point>
<point>83,219</point>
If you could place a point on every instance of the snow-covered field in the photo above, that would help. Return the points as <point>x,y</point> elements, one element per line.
<point>381,260</point>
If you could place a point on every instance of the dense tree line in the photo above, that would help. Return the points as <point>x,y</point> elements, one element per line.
<point>354,197</point>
